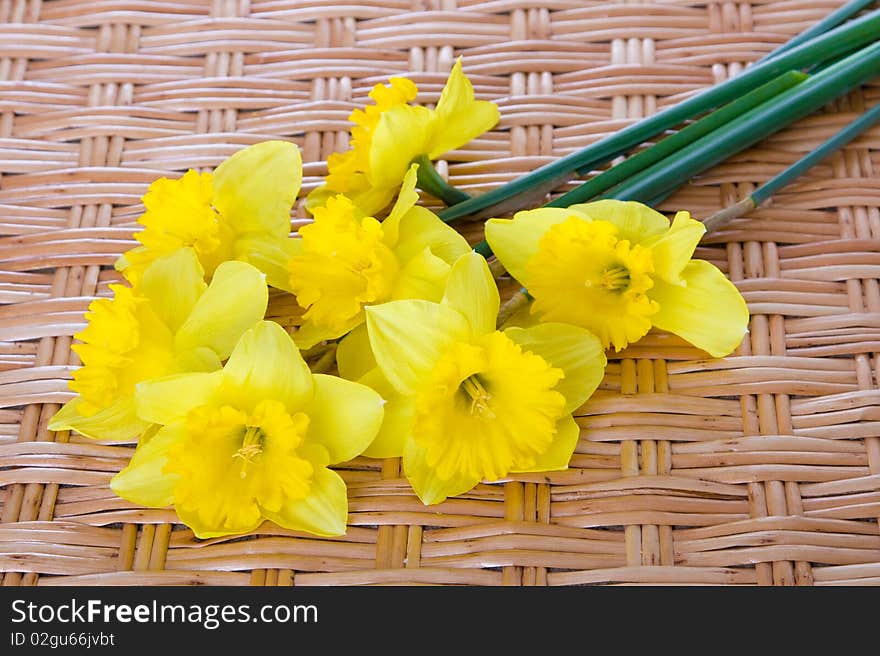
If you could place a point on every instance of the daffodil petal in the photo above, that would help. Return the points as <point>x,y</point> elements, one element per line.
<point>266,364</point>
<point>344,416</point>
<point>635,221</point>
<point>672,250</point>
<point>234,301</point>
<point>398,137</point>
<point>575,350</point>
<point>132,263</point>
<point>709,312</point>
<point>421,228</point>
<point>514,241</point>
<point>424,276</point>
<point>118,421</point>
<point>398,421</point>
<point>458,117</point>
<point>318,197</point>
<point>395,430</point>
<point>166,400</point>
<point>173,284</point>
<point>558,455</point>
<point>354,356</point>
<point>236,522</point>
<point>406,200</point>
<point>256,187</point>
<point>471,290</point>
<point>373,199</point>
<point>408,337</point>
<point>270,255</point>
<point>123,262</point>
<point>143,482</point>
<point>323,512</point>
<point>309,333</point>
<point>198,359</point>
<point>424,480</point>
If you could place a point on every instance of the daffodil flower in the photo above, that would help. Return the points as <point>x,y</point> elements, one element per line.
<point>346,260</point>
<point>240,212</point>
<point>172,323</point>
<point>617,268</point>
<point>466,402</point>
<point>389,135</point>
<point>251,441</point>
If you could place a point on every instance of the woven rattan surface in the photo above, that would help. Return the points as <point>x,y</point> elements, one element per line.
<point>763,467</point>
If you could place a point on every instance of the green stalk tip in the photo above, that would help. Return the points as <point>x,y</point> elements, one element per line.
<point>431,181</point>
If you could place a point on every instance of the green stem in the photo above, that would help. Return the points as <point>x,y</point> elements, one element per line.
<point>483,249</point>
<point>772,116</point>
<point>739,208</point>
<point>672,144</point>
<point>654,184</point>
<point>533,186</point>
<point>834,144</point>
<point>831,21</point>
<point>431,181</point>
<point>513,305</point>
<point>325,362</point>
<point>787,176</point>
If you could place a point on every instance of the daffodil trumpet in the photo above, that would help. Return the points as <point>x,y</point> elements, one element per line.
<point>251,441</point>
<point>173,322</point>
<point>346,261</point>
<point>467,402</point>
<point>391,134</point>
<point>241,211</point>
<point>618,268</point>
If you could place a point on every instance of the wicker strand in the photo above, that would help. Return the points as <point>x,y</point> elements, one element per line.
<point>760,468</point>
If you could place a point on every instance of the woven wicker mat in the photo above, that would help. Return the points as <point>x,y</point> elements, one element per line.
<point>760,468</point>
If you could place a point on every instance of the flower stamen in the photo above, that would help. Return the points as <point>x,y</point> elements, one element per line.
<point>489,407</point>
<point>615,278</point>
<point>251,447</point>
<point>473,387</point>
<point>344,265</point>
<point>583,274</point>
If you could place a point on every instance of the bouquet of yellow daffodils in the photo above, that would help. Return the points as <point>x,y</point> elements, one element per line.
<point>236,418</point>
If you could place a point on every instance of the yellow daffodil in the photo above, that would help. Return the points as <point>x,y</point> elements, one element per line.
<point>239,212</point>
<point>346,260</point>
<point>389,135</point>
<point>172,323</point>
<point>466,402</point>
<point>251,441</point>
<point>617,268</point>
